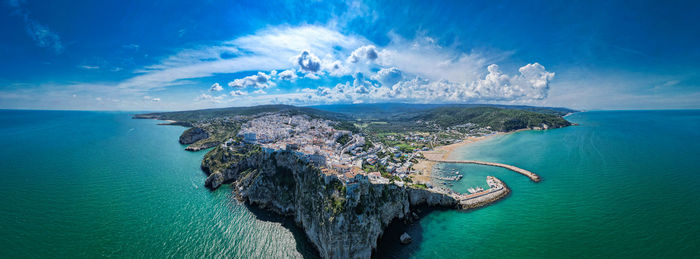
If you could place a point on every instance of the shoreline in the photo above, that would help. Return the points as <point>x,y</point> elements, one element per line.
<point>426,166</point>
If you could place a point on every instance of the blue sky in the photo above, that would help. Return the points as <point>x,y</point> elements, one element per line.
<point>171,55</point>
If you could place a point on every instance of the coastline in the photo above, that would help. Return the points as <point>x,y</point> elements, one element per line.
<point>425,166</point>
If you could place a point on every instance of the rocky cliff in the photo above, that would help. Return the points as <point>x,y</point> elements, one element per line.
<point>342,220</point>
<point>193,135</point>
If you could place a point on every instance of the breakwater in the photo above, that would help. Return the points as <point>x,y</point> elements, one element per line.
<point>497,190</point>
<point>534,177</point>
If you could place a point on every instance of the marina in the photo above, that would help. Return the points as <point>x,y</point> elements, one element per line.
<point>534,177</point>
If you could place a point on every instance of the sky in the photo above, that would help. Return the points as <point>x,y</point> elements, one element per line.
<point>178,55</point>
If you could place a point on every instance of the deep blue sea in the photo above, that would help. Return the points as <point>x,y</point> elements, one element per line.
<point>622,184</point>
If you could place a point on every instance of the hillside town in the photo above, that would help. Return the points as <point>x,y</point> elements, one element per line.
<point>339,152</point>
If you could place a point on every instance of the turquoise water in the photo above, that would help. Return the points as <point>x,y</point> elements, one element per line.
<point>92,184</point>
<point>95,184</point>
<point>622,184</point>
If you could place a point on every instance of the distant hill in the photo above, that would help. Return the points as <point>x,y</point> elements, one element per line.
<point>198,115</point>
<point>394,117</point>
<point>497,118</point>
<point>402,111</point>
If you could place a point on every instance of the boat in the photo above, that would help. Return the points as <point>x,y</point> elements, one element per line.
<point>475,189</point>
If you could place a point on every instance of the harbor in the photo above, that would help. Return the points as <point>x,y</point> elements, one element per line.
<point>497,190</point>
<point>534,177</point>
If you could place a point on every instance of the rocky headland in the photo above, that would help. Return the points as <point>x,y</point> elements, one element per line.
<point>341,219</point>
<point>341,181</point>
<point>193,135</point>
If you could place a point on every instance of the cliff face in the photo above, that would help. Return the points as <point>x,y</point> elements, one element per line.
<point>341,220</point>
<point>193,135</point>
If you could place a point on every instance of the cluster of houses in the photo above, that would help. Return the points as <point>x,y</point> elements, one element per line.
<point>317,141</point>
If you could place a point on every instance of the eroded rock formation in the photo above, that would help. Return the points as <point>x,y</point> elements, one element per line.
<point>342,220</point>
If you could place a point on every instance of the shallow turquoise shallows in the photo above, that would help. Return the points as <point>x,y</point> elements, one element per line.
<point>92,184</point>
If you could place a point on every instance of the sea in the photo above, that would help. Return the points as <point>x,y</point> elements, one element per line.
<point>621,184</point>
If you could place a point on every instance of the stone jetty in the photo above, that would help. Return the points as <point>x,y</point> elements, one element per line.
<point>534,177</point>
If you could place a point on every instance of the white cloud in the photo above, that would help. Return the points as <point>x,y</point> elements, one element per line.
<point>265,50</point>
<point>288,74</point>
<point>423,57</point>
<point>216,87</point>
<point>414,71</point>
<point>388,76</point>
<point>532,83</point>
<point>238,93</point>
<point>308,62</point>
<point>261,80</point>
<point>311,76</point>
<point>336,68</point>
<point>366,53</point>
<point>156,99</point>
<point>89,67</point>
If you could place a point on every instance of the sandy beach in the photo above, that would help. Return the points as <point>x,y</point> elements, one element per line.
<point>425,167</point>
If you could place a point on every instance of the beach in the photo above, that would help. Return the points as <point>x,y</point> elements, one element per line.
<point>425,167</point>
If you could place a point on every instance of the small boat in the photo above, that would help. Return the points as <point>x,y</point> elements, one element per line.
<point>475,190</point>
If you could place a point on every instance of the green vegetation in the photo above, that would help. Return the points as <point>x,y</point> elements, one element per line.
<point>405,148</point>
<point>419,186</point>
<point>496,118</point>
<point>337,191</point>
<point>346,125</point>
<point>343,139</point>
<point>209,114</point>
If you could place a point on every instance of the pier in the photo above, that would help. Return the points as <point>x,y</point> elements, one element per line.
<point>497,190</point>
<point>534,177</point>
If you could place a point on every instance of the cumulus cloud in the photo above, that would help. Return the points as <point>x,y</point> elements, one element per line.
<point>425,58</point>
<point>261,80</point>
<point>416,70</point>
<point>532,83</point>
<point>336,68</point>
<point>308,62</point>
<point>265,50</point>
<point>388,76</point>
<point>288,74</point>
<point>367,53</point>
<point>216,87</point>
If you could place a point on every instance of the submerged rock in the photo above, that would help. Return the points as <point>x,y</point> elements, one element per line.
<point>405,238</point>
